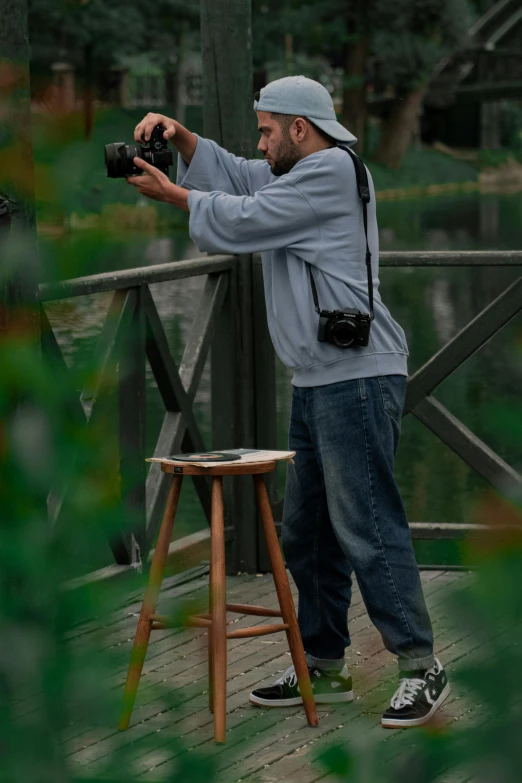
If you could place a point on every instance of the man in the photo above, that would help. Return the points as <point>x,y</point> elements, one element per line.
<point>343,512</point>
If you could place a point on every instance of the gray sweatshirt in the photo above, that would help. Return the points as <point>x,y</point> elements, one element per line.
<point>312,214</point>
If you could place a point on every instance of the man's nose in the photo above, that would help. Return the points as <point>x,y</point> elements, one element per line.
<point>262,145</point>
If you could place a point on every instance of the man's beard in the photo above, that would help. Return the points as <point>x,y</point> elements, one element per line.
<point>288,154</point>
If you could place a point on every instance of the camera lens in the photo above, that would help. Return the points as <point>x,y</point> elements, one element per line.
<point>343,334</point>
<point>113,159</point>
<point>119,157</point>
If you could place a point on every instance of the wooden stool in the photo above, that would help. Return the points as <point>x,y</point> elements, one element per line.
<point>216,620</point>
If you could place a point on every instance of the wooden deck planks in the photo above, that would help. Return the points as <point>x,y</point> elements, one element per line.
<point>373,695</point>
<point>256,677</point>
<point>262,745</point>
<point>252,662</point>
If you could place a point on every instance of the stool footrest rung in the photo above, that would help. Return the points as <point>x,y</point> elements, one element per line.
<point>257,630</point>
<point>160,621</point>
<point>260,611</point>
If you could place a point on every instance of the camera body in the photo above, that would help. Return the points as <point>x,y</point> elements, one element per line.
<point>344,328</point>
<point>119,156</point>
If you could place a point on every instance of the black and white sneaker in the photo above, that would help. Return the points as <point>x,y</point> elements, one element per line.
<point>417,698</point>
<point>328,688</point>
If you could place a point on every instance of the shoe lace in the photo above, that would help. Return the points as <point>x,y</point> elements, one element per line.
<point>289,677</point>
<point>407,692</point>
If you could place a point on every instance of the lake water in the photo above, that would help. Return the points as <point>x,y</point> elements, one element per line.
<point>432,305</point>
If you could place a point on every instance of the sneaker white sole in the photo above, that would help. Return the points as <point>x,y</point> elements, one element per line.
<point>391,723</point>
<point>325,698</point>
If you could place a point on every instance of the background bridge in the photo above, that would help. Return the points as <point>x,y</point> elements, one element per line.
<point>471,84</point>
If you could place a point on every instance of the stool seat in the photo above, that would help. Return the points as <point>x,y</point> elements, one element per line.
<point>215,621</point>
<point>239,468</point>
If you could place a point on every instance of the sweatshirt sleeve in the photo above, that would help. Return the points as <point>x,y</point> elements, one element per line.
<point>277,216</point>
<point>213,168</point>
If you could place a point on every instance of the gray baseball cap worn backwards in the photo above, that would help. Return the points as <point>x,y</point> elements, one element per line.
<point>306,98</point>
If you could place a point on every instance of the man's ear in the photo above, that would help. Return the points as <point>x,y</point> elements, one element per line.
<point>301,127</point>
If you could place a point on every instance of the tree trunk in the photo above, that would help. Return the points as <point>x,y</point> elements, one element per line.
<point>18,257</point>
<point>260,79</point>
<point>398,129</point>
<point>88,92</point>
<point>354,93</point>
<point>171,86</point>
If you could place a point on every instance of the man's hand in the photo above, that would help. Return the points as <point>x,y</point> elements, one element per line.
<point>184,141</point>
<point>143,130</point>
<point>154,184</point>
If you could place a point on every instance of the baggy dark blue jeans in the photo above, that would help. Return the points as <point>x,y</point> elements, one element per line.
<point>343,514</point>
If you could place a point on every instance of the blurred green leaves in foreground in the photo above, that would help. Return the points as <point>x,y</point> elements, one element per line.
<point>58,679</point>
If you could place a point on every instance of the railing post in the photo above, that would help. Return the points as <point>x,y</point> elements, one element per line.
<point>265,395</point>
<point>233,411</point>
<point>225,390</point>
<point>132,402</point>
<point>228,117</point>
<point>228,92</point>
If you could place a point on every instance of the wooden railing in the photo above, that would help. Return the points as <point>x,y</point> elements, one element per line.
<point>230,322</point>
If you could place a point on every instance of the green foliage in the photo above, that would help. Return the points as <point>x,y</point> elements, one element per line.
<point>105,32</point>
<point>318,28</point>
<point>67,27</point>
<point>410,37</point>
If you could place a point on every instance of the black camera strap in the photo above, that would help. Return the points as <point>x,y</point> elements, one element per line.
<point>363,190</point>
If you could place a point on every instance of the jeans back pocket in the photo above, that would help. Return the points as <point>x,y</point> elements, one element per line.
<point>393,392</point>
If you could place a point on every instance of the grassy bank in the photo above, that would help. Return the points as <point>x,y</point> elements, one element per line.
<point>421,168</point>
<point>430,172</point>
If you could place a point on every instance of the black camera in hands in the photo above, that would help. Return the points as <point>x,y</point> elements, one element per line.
<point>344,328</point>
<point>119,156</point>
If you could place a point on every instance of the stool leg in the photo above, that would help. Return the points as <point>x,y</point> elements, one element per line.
<point>286,602</point>
<point>210,651</point>
<point>150,601</point>
<point>218,610</point>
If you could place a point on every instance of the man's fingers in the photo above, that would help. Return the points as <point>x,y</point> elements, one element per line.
<point>143,130</point>
<point>142,164</point>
